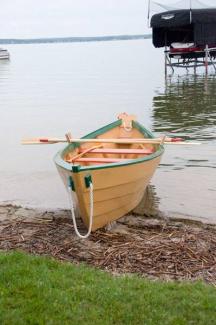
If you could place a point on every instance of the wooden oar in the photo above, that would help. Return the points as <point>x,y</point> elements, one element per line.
<point>99,140</point>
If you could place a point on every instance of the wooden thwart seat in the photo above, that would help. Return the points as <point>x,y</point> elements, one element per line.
<point>145,151</point>
<point>103,160</point>
<point>100,160</point>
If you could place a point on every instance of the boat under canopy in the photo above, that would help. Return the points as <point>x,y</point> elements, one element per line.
<point>188,35</point>
<point>196,26</point>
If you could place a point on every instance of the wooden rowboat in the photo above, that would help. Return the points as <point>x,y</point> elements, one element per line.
<point>108,180</point>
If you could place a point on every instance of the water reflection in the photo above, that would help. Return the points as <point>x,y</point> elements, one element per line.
<point>187,105</point>
<point>4,64</point>
<point>4,72</point>
<point>149,206</point>
<point>185,181</point>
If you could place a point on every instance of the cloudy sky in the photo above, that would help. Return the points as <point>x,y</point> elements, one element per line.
<point>50,18</point>
<point>47,18</point>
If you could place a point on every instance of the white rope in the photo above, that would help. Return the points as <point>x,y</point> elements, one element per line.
<point>70,195</point>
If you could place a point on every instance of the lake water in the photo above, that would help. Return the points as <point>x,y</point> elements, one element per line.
<point>47,90</point>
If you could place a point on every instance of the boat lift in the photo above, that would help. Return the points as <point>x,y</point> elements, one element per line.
<point>190,59</point>
<point>188,36</point>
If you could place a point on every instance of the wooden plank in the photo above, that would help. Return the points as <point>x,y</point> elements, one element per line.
<point>145,151</point>
<point>98,160</point>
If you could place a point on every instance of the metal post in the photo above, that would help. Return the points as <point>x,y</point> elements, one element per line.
<point>149,5</point>
<point>206,59</point>
<point>212,62</point>
<point>190,11</point>
<point>195,64</point>
<point>165,60</point>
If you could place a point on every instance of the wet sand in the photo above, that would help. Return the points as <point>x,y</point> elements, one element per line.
<point>150,246</point>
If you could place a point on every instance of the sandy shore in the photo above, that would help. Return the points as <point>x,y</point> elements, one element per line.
<point>168,249</point>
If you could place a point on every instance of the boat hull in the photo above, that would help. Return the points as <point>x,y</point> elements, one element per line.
<point>117,190</point>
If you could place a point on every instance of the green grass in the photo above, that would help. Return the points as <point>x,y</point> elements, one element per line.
<point>39,290</point>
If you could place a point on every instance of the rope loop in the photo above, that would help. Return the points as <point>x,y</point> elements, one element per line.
<point>91,209</point>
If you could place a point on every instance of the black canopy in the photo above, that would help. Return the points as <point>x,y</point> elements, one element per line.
<point>198,26</point>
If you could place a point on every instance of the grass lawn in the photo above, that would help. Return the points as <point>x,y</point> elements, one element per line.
<point>40,290</point>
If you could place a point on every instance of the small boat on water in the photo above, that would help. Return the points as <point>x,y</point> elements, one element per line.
<point>107,175</point>
<point>4,54</point>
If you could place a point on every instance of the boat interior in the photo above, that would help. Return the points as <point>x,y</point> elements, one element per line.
<point>88,154</point>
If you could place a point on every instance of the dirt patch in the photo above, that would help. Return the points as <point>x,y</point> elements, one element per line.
<point>156,248</point>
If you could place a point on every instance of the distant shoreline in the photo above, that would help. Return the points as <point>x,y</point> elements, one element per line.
<point>73,39</point>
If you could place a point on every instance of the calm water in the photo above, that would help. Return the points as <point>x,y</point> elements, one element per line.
<point>47,90</point>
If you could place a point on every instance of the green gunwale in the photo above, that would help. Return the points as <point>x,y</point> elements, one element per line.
<point>78,168</point>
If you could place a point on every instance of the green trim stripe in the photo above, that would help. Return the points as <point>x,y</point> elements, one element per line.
<point>78,168</point>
